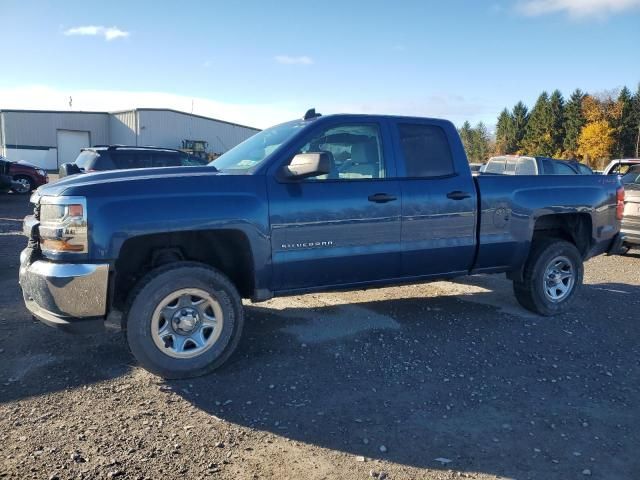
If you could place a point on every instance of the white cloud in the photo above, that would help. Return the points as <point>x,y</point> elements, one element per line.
<point>261,115</point>
<point>576,8</point>
<point>437,105</point>
<point>41,97</point>
<point>287,60</point>
<point>109,33</point>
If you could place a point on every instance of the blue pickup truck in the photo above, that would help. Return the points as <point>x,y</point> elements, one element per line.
<point>322,203</point>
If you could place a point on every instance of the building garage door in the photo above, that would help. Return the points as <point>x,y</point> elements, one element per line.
<point>69,144</point>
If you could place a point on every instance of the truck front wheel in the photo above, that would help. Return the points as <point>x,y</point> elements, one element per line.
<point>184,320</point>
<point>552,276</point>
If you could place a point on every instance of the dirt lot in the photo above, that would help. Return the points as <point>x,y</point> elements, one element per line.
<point>434,381</point>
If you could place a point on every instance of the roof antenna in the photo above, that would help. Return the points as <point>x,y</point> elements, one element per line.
<point>311,113</point>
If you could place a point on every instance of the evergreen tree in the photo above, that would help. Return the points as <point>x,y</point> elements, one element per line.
<point>557,113</point>
<point>538,138</point>
<point>505,134</point>
<point>573,122</point>
<point>481,145</point>
<point>520,114</point>
<point>627,126</point>
<point>476,141</point>
<point>466,135</point>
<point>636,117</point>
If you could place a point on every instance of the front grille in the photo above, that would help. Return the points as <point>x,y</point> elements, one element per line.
<point>36,211</point>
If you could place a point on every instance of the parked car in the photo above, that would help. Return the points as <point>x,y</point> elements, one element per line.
<point>631,219</point>
<point>620,166</point>
<point>521,165</point>
<point>475,167</point>
<point>5,179</point>
<point>323,203</point>
<point>632,177</point>
<point>119,157</point>
<point>5,183</point>
<point>25,176</point>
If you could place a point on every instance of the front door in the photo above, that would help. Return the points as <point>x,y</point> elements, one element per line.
<point>341,228</point>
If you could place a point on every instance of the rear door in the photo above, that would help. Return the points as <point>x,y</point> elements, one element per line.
<point>342,228</point>
<point>438,199</point>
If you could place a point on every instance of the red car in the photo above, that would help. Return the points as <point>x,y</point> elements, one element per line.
<point>25,177</point>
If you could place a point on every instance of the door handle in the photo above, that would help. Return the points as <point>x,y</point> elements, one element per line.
<point>458,195</point>
<point>382,198</point>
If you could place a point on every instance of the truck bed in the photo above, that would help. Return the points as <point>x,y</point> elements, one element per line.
<point>511,206</point>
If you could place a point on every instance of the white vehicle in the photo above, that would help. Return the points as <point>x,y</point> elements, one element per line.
<point>620,166</point>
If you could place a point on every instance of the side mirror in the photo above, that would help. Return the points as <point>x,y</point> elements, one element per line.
<point>305,165</point>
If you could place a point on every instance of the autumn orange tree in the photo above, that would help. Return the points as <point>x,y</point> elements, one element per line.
<point>595,143</point>
<point>598,136</point>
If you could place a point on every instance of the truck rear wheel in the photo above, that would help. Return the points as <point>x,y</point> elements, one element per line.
<point>185,320</point>
<point>552,276</point>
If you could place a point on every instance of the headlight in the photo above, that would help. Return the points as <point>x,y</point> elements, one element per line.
<point>63,225</point>
<point>41,172</point>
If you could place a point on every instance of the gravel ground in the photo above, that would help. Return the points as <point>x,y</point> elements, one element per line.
<point>434,381</point>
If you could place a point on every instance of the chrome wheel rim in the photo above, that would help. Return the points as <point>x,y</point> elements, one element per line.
<point>559,279</point>
<point>186,323</point>
<point>23,185</point>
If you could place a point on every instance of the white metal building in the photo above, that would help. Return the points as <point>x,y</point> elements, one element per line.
<point>49,138</point>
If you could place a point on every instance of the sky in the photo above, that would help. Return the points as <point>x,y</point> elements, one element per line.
<point>260,63</point>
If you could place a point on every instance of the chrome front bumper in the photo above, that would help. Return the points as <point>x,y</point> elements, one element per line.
<point>71,296</point>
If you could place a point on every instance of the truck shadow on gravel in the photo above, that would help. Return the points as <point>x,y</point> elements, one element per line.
<point>413,381</point>
<point>446,383</point>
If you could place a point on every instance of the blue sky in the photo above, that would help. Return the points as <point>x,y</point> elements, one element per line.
<point>262,62</point>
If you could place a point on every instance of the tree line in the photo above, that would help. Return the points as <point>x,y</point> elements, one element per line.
<point>592,128</point>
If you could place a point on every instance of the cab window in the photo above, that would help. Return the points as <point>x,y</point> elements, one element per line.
<point>526,166</point>
<point>355,152</point>
<point>496,165</point>
<point>426,151</point>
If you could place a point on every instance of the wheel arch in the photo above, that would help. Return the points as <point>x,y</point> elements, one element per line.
<point>227,250</point>
<point>574,227</point>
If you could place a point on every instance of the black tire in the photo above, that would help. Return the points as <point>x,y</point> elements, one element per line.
<point>531,292</point>
<point>158,285</point>
<point>26,185</point>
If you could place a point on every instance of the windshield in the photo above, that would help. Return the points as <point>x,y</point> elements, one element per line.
<point>632,175</point>
<point>253,151</point>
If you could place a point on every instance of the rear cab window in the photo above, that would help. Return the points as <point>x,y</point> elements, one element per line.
<point>496,165</point>
<point>526,166</point>
<point>510,166</point>
<point>192,161</point>
<point>165,159</point>
<point>556,167</point>
<point>564,169</point>
<point>124,159</point>
<point>426,151</point>
<point>86,160</point>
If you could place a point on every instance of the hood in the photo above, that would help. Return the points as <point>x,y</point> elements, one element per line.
<point>117,180</point>
<point>27,164</point>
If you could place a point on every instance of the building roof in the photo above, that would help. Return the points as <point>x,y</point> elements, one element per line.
<point>131,110</point>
